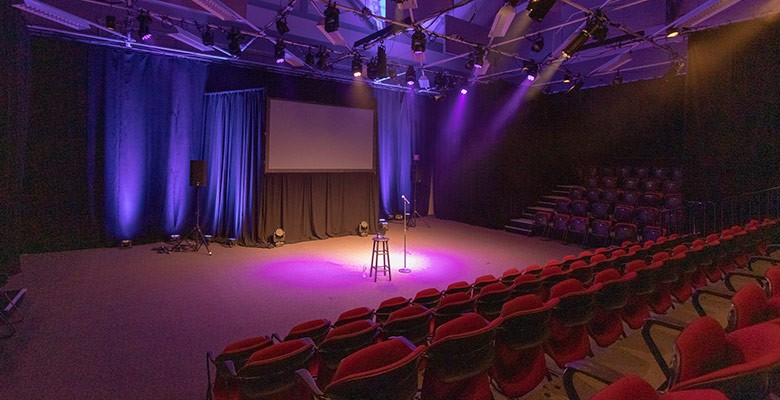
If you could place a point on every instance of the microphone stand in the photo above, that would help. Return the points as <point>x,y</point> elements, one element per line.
<point>405,270</point>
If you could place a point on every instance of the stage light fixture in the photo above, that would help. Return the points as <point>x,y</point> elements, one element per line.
<point>281,25</point>
<point>278,238</point>
<point>383,228</point>
<point>567,77</point>
<point>279,51</point>
<point>111,22</point>
<point>125,244</point>
<point>310,57</point>
<point>479,56</point>
<point>231,242</point>
<point>331,14</point>
<point>357,66</point>
<point>411,76</point>
<point>538,44</point>
<point>234,47</point>
<point>322,59</point>
<point>144,20</point>
<point>538,9</point>
<point>423,82</point>
<point>173,238</point>
<point>381,62</point>
<point>363,229</point>
<point>595,28</point>
<point>532,69</point>
<point>618,79</point>
<point>418,42</point>
<point>672,32</point>
<point>464,91</point>
<point>371,69</point>
<point>207,37</point>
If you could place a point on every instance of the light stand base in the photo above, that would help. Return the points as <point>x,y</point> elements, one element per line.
<point>404,270</point>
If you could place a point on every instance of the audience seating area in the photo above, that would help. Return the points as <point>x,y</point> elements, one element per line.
<point>494,336</point>
<point>612,205</point>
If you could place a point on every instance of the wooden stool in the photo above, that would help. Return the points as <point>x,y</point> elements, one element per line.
<point>381,252</point>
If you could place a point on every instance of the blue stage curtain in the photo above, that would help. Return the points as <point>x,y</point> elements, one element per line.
<point>398,124</point>
<point>145,126</point>
<point>232,144</point>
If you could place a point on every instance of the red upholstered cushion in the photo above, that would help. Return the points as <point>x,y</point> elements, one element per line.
<point>609,274</point>
<point>660,256</point>
<point>749,307</point>
<point>358,326</point>
<point>703,348</point>
<point>393,302</point>
<point>485,278</point>
<point>569,257</point>
<point>772,275</point>
<point>256,343</point>
<point>309,326</point>
<point>578,264</point>
<point>406,312</point>
<point>430,292</point>
<point>635,265</point>
<point>465,323</point>
<point>278,351</point>
<point>597,258</point>
<point>585,253</point>
<point>533,269</point>
<point>648,244</point>
<point>510,272</point>
<point>634,248</point>
<point>526,278</point>
<point>383,356</point>
<point>600,250</point>
<point>360,312</point>
<point>679,249</point>
<point>629,387</point>
<point>553,270</point>
<point>493,287</point>
<point>551,263</point>
<point>712,237</point>
<point>568,286</point>
<point>458,285</point>
<point>522,303</point>
<point>618,253</point>
<point>454,298</point>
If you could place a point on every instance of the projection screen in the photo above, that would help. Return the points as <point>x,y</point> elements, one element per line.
<point>307,137</point>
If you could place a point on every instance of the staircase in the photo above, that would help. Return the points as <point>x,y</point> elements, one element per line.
<point>523,225</point>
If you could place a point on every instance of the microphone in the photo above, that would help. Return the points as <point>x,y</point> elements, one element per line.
<point>405,199</point>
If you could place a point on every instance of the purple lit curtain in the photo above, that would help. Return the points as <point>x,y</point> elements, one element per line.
<point>145,126</point>
<point>232,137</point>
<point>399,123</point>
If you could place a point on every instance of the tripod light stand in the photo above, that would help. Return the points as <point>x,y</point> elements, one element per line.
<point>198,180</point>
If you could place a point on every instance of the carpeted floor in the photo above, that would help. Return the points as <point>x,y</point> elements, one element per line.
<point>135,324</point>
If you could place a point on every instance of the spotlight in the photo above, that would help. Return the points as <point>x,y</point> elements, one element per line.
<point>383,228</point>
<point>363,228</point>
<point>532,68</point>
<point>207,37</point>
<point>331,14</point>
<point>618,79</point>
<point>411,76</point>
<point>357,66</point>
<point>418,42</point>
<point>322,59</point>
<point>231,242</point>
<point>173,238</point>
<point>567,77</point>
<point>537,9</point>
<point>575,44</point>
<point>278,238</point>
<point>281,25</point>
<point>233,42</point>
<point>595,28</point>
<point>538,44</point>
<point>423,81</point>
<point>479,57</point>
<point>672,32</point>
<point>111,22</point>
<point>125,244</point>
<point>310,57</point>
<point>381,62</point>
<point>371,69</point>
<point>144,20</point>
<point>279,51</point>
<point>464,91</point>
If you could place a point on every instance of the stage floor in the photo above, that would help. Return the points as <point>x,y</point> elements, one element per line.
<point>135,324</point>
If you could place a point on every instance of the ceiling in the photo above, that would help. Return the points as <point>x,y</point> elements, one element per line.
<point>636,45</point>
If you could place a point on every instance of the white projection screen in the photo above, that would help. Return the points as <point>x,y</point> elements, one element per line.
<point>307,137</point>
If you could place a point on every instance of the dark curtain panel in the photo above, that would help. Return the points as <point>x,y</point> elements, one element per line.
<point>317,206</point>
<point>733,108</point>
<point>145,129</point>
<point>397,125</point>
<point>14,123</point>
<point>232,138</point>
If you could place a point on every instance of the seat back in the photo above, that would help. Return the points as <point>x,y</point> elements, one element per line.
<point>341,342</point>
<point>384,371</point>
<point>525,322</point>
<point>413,323</point>
<point>270,372</point>
<point>315,329</point>
<point>428,298</point>
<point>388,306</point>
<point>575,303</point>
<point>451,307</point>
<point>461,348</point>
<point>490,300</point>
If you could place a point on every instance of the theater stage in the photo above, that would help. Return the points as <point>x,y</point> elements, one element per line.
<point>135,324</point>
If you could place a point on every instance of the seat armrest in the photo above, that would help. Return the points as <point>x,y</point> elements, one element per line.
<point>590,368</point>
<point>745,274</point>
<point>305,376</point>
<point>666,322</point>
<point>754,259</point>
<point>710,291</point>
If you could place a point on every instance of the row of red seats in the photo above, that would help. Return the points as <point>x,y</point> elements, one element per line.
<point>571,288</point>
<point>641,172</point>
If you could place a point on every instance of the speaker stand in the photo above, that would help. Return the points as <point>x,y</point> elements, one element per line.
<point>196,234</point>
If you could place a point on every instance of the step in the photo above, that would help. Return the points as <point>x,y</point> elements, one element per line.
<point>537,208</point>
<point>545,203</point>
<point>562,193</point>
<point>520,231</point>
<point>555,197</point>
<point>567,187</point>
<point>521,221</point>
<point>528,215</point>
